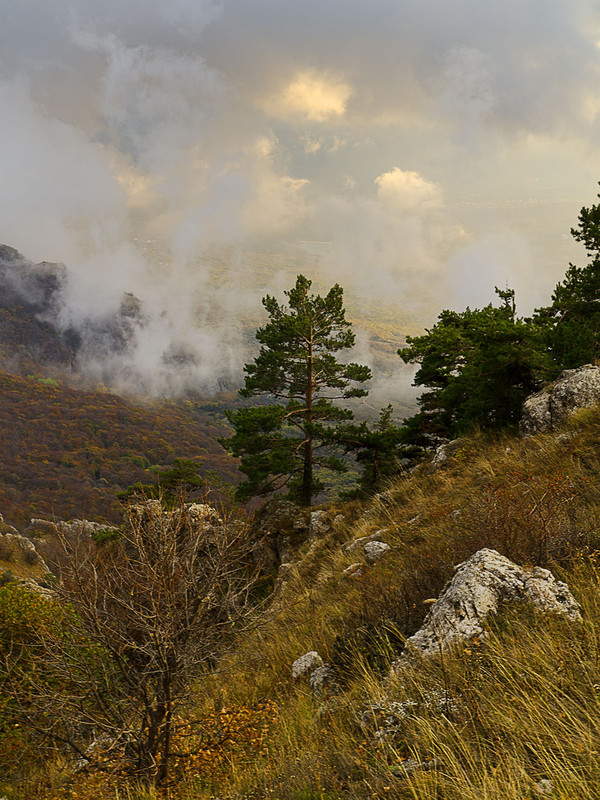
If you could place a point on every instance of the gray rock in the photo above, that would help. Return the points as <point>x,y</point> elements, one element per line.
<point>446,450</point>
<point>478,586</point>
<point>203,514</point>
<point>306,664</point>
<point>323,681</point>
<point>375,551</point>
<point>281,528</point>
<point>16,548</point>
<point>573,390</point>
<point>320,524</point>
<point>358,544</point>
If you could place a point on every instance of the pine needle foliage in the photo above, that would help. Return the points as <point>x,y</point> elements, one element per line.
<point>298,373</point>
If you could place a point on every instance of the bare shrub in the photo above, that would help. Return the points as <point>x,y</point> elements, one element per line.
<point>151,610</point>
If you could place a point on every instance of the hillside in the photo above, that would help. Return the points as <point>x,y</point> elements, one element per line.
<point>66,452</point>
<point>502,716</point>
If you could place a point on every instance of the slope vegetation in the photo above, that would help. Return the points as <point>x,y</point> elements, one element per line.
<point>508,715</point>
<point>66,452</point>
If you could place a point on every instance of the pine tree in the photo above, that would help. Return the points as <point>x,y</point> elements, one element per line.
<point>297,372</point>
<point>380,449</point>
<point>478,366</point>
<point>572,321</point>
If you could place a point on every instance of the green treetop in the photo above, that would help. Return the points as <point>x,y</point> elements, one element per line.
<point>297,371</point>
<point>478,366</point>
<point>572,321</point>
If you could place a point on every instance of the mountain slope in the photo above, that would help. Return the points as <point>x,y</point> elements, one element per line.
<point>65,452</point>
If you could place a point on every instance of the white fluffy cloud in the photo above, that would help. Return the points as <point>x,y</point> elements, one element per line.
<point>315,96</point>
<point>407,190</point>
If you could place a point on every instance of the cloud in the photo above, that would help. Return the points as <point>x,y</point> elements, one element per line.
<point>157,147</point>
<point>315,96</point>
<point>407,190</point>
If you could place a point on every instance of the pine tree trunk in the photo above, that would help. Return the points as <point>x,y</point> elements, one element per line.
<point>307,470</point>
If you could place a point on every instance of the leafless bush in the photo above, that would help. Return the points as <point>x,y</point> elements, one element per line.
<point>151,610</point>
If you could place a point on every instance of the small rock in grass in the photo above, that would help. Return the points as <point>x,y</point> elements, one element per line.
<point>374,551</point>
<point>306,664</point>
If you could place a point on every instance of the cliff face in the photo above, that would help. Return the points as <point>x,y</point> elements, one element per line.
<point>32,337</point>
<point>29,305</point>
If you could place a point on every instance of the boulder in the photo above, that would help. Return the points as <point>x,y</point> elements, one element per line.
<point>573,390</point>
<point>357,571</point>
<point>323,681</point>
<point>321,676</point>
<point>202,513</point>
<point>306,664</point>
<point>479,585</point>
<point>320,524</point>
<point>447,450</point>
<point>359,544</point>
<point>375,551</point>
<point>21,554</point>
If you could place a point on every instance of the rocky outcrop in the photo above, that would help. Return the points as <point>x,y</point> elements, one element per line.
<point>478,587</point>
<point>20,552</point>
<point>49,537</point>
<point>19,557</point>
<point>358,545</point>
<point>281,528</point>
<point>375,551</point>
<point>323,681</point>
<point>573,390</point>
<point>447,450</point>
<point>373,547</point>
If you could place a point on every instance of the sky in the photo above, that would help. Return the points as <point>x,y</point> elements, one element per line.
<point>418,152</point>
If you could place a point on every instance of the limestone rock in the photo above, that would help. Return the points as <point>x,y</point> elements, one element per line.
<point>478,586</point>
<point>281,528</point>
<point>375,551</point>
<point>320,524</point>
<point>21,553</point>
<point>356,571</point>
<point>573,390</point>
<point>445,451</point>
<point>306,664</point>
<point>359,544</point>
<point>338,521</point>
<point>323,681</point>
<point>202,513</point>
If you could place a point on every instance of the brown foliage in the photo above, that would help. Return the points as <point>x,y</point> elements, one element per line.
<point>66,452</point>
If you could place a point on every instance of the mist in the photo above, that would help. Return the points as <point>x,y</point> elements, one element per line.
<point>190,154</point>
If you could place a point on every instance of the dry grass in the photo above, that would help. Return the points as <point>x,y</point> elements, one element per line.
<point>521,706</point>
